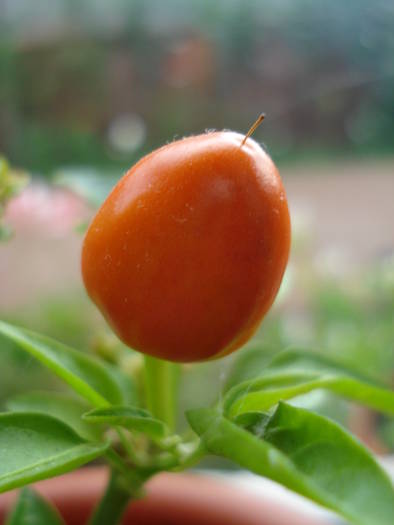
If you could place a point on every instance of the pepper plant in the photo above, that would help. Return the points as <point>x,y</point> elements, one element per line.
<point>254,423</point>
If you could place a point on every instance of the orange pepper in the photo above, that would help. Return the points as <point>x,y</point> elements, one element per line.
<point>187,253</point>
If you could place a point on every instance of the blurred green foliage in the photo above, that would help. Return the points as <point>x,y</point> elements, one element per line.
<point>351,320</point>
<point>322,71</point>
<point>11,183</point>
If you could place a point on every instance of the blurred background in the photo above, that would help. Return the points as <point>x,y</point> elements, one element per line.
<point>87,87</point>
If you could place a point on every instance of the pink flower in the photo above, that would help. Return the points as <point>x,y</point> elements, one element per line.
<point>51,211</point>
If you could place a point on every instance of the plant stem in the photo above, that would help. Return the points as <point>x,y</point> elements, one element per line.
<point>127,445</point>
<point>111,507</point>
<point>161,381</point>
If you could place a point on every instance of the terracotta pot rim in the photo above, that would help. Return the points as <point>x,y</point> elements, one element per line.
<point>173,499</point>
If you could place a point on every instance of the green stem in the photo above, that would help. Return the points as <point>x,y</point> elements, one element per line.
<point>161,381</point>
<point>110,509</point>
<point>127,445</point>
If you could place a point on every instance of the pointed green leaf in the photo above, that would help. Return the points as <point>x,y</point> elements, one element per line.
<point>59,405</point>
<point>36,446</point>
<point>309,455</point>
<point>223,438</point>
<point>129,417</point>
<point>294,373</point>
<point>32,509</point>
<point>263,393</point>
<point>87,375</point>
<point>336,462</point>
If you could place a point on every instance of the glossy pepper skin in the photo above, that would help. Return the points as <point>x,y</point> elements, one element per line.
<point>187,253</point>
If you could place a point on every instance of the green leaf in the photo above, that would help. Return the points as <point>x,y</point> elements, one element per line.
<point>62,406</point>
<point>309,455</point>
<point>128,417</point>
<point>36,446</point>
<point>302,360</point>
<point>125,384</point>
<point>265,392</point>
<point>33,509</point>
<point>295,373</point>
<point>87,375</point>
<point>254,422</point>
<point>223,438</point>
<point>336,462</point>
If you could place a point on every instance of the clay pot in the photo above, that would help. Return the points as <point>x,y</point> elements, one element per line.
<point>170,499</point>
